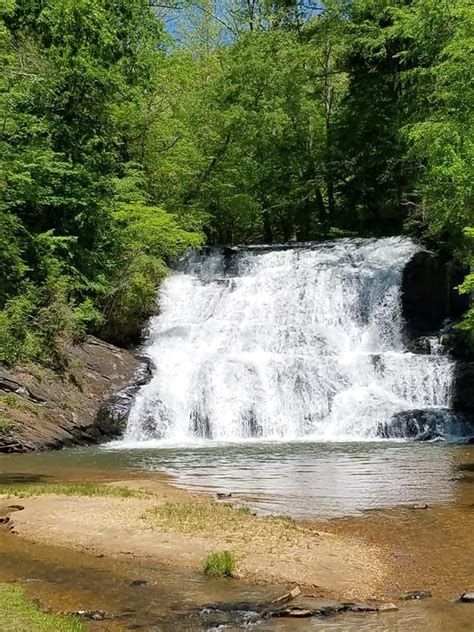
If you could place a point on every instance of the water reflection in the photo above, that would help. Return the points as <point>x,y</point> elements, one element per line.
<point>318,480</point>
<point>313,479</point>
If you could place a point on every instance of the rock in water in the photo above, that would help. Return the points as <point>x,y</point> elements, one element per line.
<point>467,597</point>
<point>90,615</point>
<point>425,424</point>
<point>416,594</point>
<point>293,611</point>
<point>138,582</point>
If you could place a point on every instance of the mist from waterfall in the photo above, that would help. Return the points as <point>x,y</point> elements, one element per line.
<point>285,344</point>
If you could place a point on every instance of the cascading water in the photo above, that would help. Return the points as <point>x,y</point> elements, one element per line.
<point>285,344</point>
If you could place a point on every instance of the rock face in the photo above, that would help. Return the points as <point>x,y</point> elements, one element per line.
<point>463,391</point>
<point>40,410</point>
<point>429,296</point>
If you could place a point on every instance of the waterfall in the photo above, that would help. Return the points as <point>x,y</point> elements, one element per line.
<point>306,342</point>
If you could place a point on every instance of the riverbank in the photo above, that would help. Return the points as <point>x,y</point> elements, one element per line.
<point>153,520</point>
<point>42,410</point>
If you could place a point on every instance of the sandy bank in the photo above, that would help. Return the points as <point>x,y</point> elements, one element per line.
<point>174,527</point>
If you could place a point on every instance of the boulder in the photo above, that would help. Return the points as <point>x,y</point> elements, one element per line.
<point>427,425</point>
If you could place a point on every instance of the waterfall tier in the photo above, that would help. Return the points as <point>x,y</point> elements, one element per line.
<point>285,344</point>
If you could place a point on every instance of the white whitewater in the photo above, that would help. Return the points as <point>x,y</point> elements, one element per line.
<point>285,344</point>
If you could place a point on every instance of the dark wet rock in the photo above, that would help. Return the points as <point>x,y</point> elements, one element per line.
<point>222,496</point>
<point>387,607</point>
<point>90,615</point>
<point>359,607</point>
<point>14,508</point>
<point>4,519</point>
<point>463,388</point>
<point>429,294</point>
<point>303,607</point>
<point>425,345</point>
<point>426,425</point>
<point>293,611</point>
<point>416,594</point>
<point>304,610</point>
<point>138,582</point>
<point>467,597</point>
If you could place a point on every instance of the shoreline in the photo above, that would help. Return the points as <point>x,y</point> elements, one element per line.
<point>381,553</point>
<point>269,550</point>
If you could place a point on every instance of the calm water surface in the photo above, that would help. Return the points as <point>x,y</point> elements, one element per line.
<point>320,480</point>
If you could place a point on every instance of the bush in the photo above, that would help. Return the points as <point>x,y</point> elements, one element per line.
<point>219,564</point>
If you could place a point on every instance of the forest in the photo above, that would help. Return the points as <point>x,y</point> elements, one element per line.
<point>134,129</point>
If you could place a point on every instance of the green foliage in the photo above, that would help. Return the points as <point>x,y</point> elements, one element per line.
<point>147,239</point>
<point>219,564</point>
<point>74,76</point>
<point>263,121</point>
<point>467,287</point>
<point>13,401</point>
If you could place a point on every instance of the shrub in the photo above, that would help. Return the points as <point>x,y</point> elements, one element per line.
<point>219,564</point>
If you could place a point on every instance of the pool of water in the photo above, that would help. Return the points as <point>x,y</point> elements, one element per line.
<point>304,480</point>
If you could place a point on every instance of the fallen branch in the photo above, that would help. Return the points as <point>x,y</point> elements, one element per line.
<point>287,596</point>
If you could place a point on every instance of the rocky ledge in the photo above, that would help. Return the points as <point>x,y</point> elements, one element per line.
<point>40,410</point>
